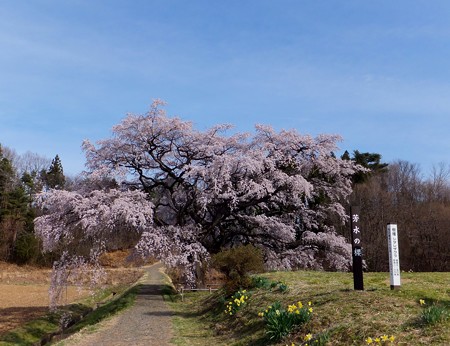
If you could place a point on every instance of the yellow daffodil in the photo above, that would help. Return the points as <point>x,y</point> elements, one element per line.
<point>277,312</point>
<point>291,308</point>
<point>384,337</point>
<point>300,305</point>
<point>310,309</point>
<point>369,340</point>
<point>392,338</point>
<point>309,303</point>
<point>308,337</point>
<point>377,340</point>
<point>422,302</point>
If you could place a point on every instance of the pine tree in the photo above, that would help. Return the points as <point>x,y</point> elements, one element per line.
<point>372,161</point>
<point>346,156</point>
<point>6,183</point>
<point>6,174</point>
<point>54,177</point>
<point>13,207</point>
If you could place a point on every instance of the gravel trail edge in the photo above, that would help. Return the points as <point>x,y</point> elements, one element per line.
<point>148,322</point>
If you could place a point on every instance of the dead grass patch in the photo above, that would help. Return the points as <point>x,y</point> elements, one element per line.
<point>24,292</point>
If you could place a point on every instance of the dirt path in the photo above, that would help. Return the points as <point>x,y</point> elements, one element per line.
<point>147,323</point>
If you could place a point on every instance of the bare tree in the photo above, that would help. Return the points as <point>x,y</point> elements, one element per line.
<point>31,162</point>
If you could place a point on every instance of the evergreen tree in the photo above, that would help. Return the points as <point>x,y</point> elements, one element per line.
<point>6,183</point>
<point>13,207</point>
<point>6,174</point>
<point>372,161</point>
<point>346,156</point>
<point>54,177</point>
<point>16,214</point>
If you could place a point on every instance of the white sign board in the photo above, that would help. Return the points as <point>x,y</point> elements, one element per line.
<point>394,255</point>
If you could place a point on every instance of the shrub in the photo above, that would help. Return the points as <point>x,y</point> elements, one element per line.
<point>237,264</point>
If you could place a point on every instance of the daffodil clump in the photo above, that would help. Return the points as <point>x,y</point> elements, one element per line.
<point>282,287</point>
<point>381,340</point>
<point>265,283</point>
<point>280,322</point>
<point>433,313</point>
<point>309,339</point>
<point>237,301</point>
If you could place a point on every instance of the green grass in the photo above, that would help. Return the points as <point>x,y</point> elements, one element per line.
<point>39,329</point>
<point>434,314</point>
<point>348,317</point>
<point>124,301</point>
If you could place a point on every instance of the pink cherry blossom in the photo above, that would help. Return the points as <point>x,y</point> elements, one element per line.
<point>188,193</point>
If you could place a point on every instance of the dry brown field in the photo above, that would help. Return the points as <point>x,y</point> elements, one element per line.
<point>24,292</point>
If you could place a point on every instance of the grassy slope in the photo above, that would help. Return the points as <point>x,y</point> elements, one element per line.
<point>34,331</point>
<point>349,316</point>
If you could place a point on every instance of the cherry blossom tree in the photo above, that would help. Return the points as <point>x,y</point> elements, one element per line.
<point>190,193</point>
<point>82,225</point>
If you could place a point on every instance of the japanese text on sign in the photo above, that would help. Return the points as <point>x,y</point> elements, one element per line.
<point>394,256</point>
<point>357,250</point>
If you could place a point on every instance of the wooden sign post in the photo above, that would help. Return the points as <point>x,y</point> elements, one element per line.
<point>358,281</point>
<point>394,255</point>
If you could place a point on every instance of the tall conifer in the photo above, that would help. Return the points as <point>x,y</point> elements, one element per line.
<point>54,177</point>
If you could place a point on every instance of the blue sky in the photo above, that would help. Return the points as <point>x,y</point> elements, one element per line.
<point>375,72</point>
